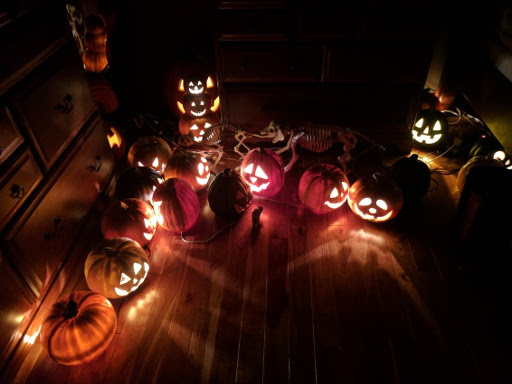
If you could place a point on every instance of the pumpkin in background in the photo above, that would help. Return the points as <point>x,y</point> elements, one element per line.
<point>197,84</point>
<point>229,194</point>
<point>375,198</point>
<point>197,125</point>
<point>116,267</point>
<point>189,166</point>
<point>94,57</point>
<point>323,188</point>
<point>475,162</point>
<point>149,151</point>
<point>413,177</point>
<point>78,327</point>
<point>131,218</point>
<point>116,142</point>
<point>176,205</point>
<point>138,183</point>
<point>263,169</point>
<point>430,128</point>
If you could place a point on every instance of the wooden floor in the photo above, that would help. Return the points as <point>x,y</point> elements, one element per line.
<point>306,299</point>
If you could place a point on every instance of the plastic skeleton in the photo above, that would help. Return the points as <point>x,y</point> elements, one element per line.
<point>316,138</point>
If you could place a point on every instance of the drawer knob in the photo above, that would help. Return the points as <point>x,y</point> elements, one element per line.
<point>17,192</point>
<point>96,166</point>
<point>65,105</point>
<point>1,150</point>
<point>58,227</point>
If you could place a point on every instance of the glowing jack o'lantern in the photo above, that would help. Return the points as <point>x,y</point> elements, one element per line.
<point>264,171</point>
<point>116,267</point>
<point>430,128</point>
<point>78,327</point>
<point>197,85</point>
<point>132,218</point>
<point>504,158</point>
<point>197,126</point>
<point>189,166</point>
<point>375,198</point>
<point>149,151</point>
<point>323,188</point>
<point>116,143</point>
<point>138,183</point>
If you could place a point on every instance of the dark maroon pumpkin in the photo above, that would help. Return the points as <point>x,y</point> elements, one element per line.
<point>264,171</point>
<point>149,151</point>
<point>138,183</point>
<point>131,218</point>
<point>413,177</point>
<point>375,198</point>
<point>189,166</point>
<point>229,194</point>
<point>323,188</point>
<point>176,205</point>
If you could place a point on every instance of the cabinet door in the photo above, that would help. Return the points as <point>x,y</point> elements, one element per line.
<point>54,109</point>
<point>10,137</point>
<point>40,244</point>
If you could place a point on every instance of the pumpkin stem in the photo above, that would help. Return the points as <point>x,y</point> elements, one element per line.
<point>414,157</point>
<point>227,171</point>
<point>110,252</point>
<point>71,310</point>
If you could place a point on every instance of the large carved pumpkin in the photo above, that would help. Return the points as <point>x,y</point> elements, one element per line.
<point>78,327</point>
<point>375,198</point>
<point>116,267</point>
<point>176,205</point>
<point>138,183</point>
<point>430,129</point>
<point>132,218</point>
<point>413,177</point>
<point>229,194</point>
<point>264,171</point>
<point>149,151</point>
<point>189,166</point>
<point>323,188</point>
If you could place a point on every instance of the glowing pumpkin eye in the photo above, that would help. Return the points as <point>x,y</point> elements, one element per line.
<point>147,223</point>
<point>207,125</point>
<point>199,83</point>
<point>146,267</point>
<point>334,193</point>
<point>202,102</point>
<point>200,168</point>
<point>259,172</point>
<point>194,128</point>
<point>137,267</point>
<point>191,84</point>
<point>155,162</point>
<point>203,159</point>
<point>382,204</point>
<point>124,279</point>
<point>345,185</point>
<point>437,126</point>
<point>419,123</point>
<point>366,201</point>
<point>209,82</point>
<point>249,169</point>
<point>140,164</point>
<point>193,104</point>
<point>499,155</point>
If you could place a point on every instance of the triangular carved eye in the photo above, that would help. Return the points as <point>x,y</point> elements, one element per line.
<point>365,202</point>
<point>124,279</point>
<point>419,123</point>
<point>137,267</point>
<point>207,125</point>
<point>334,193</point>
<point>209,82</point>
<point>249,169</point>
<point>200,168</point>
<point>191,84</point>
<point>194,128</point>
<point>259,172</point>
<point>382,204</point>
<point>155,162</point>
<point>437,126</point>
<point>345,185</point>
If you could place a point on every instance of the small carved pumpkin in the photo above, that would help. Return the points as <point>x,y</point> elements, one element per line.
<point>176,205</point>
<point>132,218</point>
<point>197,125</point>
<point>413,177</point>
<point>95,55</point>
<point>138,183</point>
<point>189,166</point>
<point>229,194</point>
<point>197,105</point>
<point>78,327</point>
<point>264,171</point>
<point>375,198</point>
<point>323,188</point>
<point>197,84</point>
<point>149,151</point>
<point>430,128</point>
<point>116,267</point>
<point>475,162</point>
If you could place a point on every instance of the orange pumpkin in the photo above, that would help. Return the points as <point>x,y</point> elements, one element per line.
<point>116,267</point>
<point>95,55</point>
<point>264,171</point>
<point>197,125</point>
<point>149,151</point>
<point>78,327</point>
<point>189,166</point>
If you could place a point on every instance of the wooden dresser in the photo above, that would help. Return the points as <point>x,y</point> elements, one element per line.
<point>55,160</point>
<point>361,64</point>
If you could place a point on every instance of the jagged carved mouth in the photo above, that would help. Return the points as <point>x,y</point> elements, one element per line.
<point>197,114</point>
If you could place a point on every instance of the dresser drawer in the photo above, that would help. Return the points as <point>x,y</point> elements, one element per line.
<point>39,245</point>
<point>270,63</point>
<point>403,24</point>
<point>54,109</point>
<point>378,62</point>
<point>17,184</point>
<point>236,25</point>
<point>10,137</point>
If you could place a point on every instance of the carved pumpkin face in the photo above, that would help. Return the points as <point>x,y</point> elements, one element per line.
<point>189,166</point>
<point>132,218</point>
<point>198,86</point>
<point>149,151</point>
<point>197,126</point>
<point>375,198</point>
<point>504,158</point>
<point>197,105</point>
<point>430,128</point>
<point>323,188</point>
<point>116,267</point>
<point>195,84</point>
<point>264,171</point>
<point>229,194</point>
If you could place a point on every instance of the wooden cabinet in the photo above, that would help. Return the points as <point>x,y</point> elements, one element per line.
<point>362,64</point>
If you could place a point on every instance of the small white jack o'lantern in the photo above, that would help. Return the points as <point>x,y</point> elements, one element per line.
<point>430,128</point>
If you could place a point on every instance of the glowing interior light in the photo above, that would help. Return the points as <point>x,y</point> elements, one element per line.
<point>124,279</point>
<point>114,139</point>
<point>499,155</point>
<point>202,158</point>
<point>253,179</point>
<point>137,267</point>
<point>140,164</point>
<point>334,193</point>
<point>155,162</point>
<point>181,107</point>
<point>426,131</point>
<point>159,217</point>
<point>194,128</point>
<point>148,236</point>
<point>198,114</point>
<point>121,292</point>
<point>191,84</point>
<point>372,210</point>
<point>135,281</point>
<point>200,168</point>
<point>249,169</point>
<point>31,339</point>
<point>146,267</point>
<point>262,187</point>
<point>154,188</point>
<point>216,104</point>
<point>382,204</point>
<point>366,201</point>
<point>193,104</point>
<point>419,123</point>
<point>202,102</point>
<point>198,139</point>
<point>181,87</point>
<point>345,185</point>
<point>437,126</point>
<point>207,125</point>
<point>259,172</point>
<point>209,82</point>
